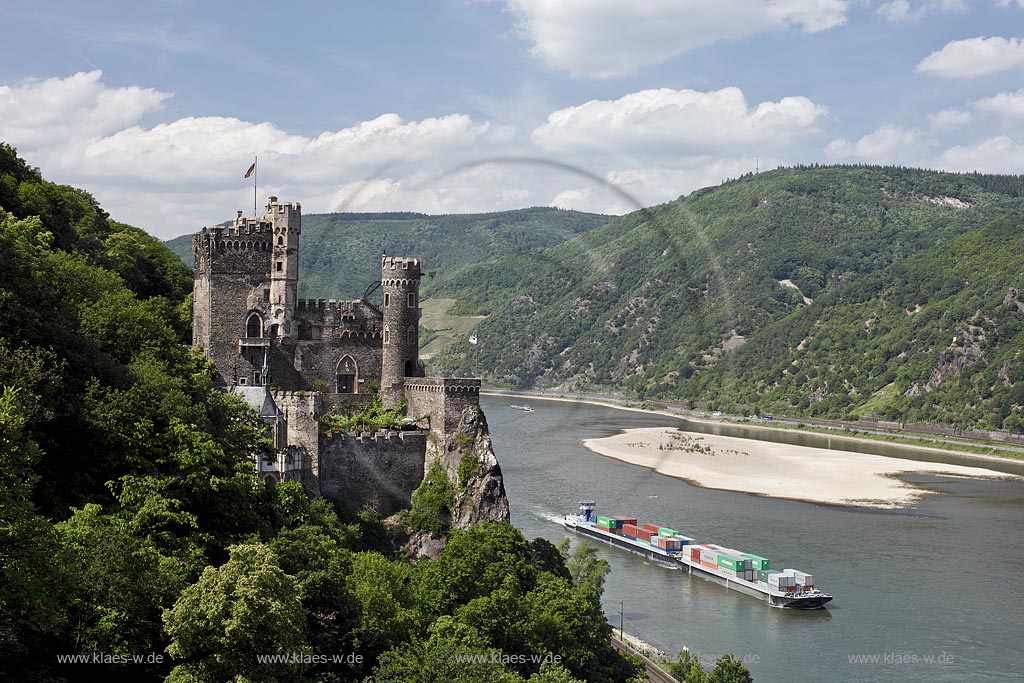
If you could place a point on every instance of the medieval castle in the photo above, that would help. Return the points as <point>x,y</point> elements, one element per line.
<point>296,361</point>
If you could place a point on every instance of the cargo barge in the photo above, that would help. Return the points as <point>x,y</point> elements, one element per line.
<point>744,572</point>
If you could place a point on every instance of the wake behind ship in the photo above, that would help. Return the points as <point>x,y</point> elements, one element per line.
<point>734,569</point>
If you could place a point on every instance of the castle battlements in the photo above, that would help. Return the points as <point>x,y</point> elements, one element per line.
<point>381,436</point>
<point>282,396</point>
<point>328,305</point>
<point>444,385</point>
<point>400,263</point>
<point>327,356</point>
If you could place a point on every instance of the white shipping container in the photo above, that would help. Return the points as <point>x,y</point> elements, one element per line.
<point>709,556</point>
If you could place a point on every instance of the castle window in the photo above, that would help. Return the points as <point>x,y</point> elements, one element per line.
<point>410,335</point>
<point>280,266</point>
<point>387,335</point>
<point>257,378</point>
<point>346,375</point>
<point>409,369</point>
<point>266,296</point>
<point>280,240</point>
<point>254,326</point>
<point>412,300</point>
<point>387,299</point>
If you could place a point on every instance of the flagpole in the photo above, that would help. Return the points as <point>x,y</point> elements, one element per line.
<point>255,176</point>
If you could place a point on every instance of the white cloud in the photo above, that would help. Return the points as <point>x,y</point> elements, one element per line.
<point>1006,105</point>
<point>577,198</point>
<point>886,145</point>
<point>606,38</point>
<point>206,150</point>
<point>55,110</point>
<point>948,119</point>
<point>1001,154</point>
<point>975,57</point>
<point>901,11</point>
<point>678,124</point>
<point>654,184</point>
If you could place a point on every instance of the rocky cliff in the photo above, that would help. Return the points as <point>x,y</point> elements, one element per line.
<point>468,458</point>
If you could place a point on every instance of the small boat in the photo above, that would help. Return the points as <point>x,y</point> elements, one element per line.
<point>525,409</point>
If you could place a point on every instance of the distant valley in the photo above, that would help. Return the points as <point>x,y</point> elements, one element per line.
<point>838,292</point>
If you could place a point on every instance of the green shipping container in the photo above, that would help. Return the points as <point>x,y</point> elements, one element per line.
<point>762,575</point>
<point>758,562</point>
<point>664,531</point>
<point>606,522</point>
<point>731,562</point>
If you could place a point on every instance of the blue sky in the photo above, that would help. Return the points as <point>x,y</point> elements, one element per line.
<point>475,105</point>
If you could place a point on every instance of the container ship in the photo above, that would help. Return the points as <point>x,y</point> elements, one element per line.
<point>744,572</point>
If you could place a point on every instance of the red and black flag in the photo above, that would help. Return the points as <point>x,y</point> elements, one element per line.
<point>252,169</point>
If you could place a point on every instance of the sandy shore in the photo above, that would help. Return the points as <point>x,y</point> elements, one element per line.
<point>817,475</point>
<point>922,446</point>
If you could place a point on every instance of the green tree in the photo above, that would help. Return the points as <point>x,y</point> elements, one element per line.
<point>588,571</point>
<point>451,653</point>
<point>246,608</point>
<point>33,566</point>
<point>687,669</point>
<point>382,592</point>
<point>728,669</point>
<point>474,562</point>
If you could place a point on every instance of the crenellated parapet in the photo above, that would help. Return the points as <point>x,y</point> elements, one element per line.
<point>445,399</point>
<point>444,385</point>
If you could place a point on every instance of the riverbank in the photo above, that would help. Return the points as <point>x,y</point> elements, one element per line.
<point>915,443</point>
<point>816,475</point>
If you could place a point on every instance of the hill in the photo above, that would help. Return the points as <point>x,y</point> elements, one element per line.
<point>341,251</point>
<point>825,291</point>
<point>132,520</point>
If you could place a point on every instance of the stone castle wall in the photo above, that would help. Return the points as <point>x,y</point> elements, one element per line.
<point>301,413</point>
<point>251,267</point>
<point>380,470</point>
<point>444,399</point>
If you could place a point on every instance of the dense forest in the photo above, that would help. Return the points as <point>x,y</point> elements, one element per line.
<point>835,291</point>
<point>137,544</point>
<point>340,252</point>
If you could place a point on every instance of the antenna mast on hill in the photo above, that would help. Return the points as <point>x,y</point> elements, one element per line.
<point>757,164</point>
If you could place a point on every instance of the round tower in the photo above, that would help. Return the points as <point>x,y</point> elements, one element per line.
<point>400,282</point>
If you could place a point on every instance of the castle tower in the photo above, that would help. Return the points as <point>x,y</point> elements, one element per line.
<point>400,281</point>
<point>228,312</point>
<point>286,223</point>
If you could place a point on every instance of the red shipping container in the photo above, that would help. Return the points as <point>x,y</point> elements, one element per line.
<point>653,528</point>
<point>630,529</point>
<point>626,520</point>
<point>644,534</point>
<point>695,554</point>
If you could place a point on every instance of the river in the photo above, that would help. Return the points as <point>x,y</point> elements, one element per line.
<point>929,593</point>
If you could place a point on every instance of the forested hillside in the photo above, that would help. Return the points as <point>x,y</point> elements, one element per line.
<point>825,291</point>
<point>340,252</point>
<point>136,543</point>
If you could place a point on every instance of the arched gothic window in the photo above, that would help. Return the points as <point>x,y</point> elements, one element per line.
<point>347,375</point>
<point>254,326</point>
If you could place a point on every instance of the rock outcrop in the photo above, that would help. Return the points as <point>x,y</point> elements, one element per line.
<point>468,458</point>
